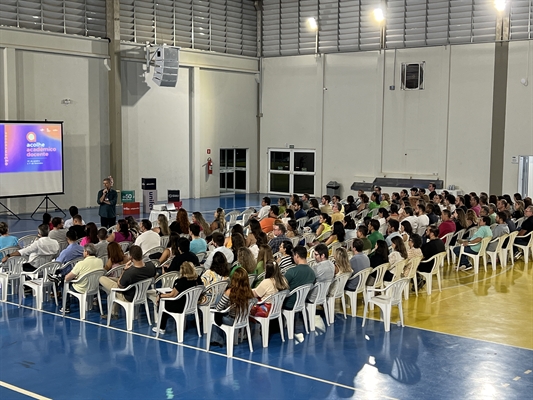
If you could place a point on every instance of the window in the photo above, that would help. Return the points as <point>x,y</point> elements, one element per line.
<point>291,171</point>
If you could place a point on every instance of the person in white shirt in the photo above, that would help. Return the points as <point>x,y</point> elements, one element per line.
<point>148,239</point>
<point>422,219</point>
<point>264,211</point>
<point>42,246</point>
<point>73,210</point>
<point>411,218</point>
<point>218,241</point>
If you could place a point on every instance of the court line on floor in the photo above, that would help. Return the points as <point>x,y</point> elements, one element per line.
<point>23,391</point>
<point>206,351</point>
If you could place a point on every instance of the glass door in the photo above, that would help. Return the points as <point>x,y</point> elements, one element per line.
<point>233,173</point>
<point>291,171</point>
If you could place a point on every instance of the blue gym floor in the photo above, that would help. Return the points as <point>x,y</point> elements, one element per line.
<point>47,356</point>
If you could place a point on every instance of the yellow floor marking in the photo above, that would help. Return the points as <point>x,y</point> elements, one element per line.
<point>23,391</point>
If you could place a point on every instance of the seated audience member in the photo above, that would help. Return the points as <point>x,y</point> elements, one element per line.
<point>58,232</point>
<point>471,219</point>
<point>374,235</point>
<point>358,262</point>
<point>237,228</point>
<point>364,202</point>
<point>6,240</point>
<point>218,242</point>
<point>432,191</point>
<point>282,205</point>
<point>148,239</point>
<point>499,230</point>
<point>255,233</point>
<point>78,226</point>
<point>385,200</point>
<point>219,221</point>
<point>172,249</point>
<point>198,244</point>
<point>509,221</point>
<point>245,259</point>
<point>474,205</point>
<point>237,299</point>
<point>292,229</point>
<point>89,264</point>
<point>135,271</point>
<point>101,246</point>
<point>473,244</point>
<point>449,203</point>
<point>73,211</point>
<point>518,209</point>
<point>341,262</point>
<point>411,219</point>
<point>288,216</point>
<point>133,226</point>
<point>398,253</point>
<point>184,255</point>
<point>459,217</point>
<point>432,247</point>
<point>273,283</point>
<point>414,250</point>
<point>181,224</point>
<point>324,269</point>
<point>91,234</point>
<point>306,201</point>
<point>323,227</point>
<point>42,246</point>
<point>237,243</point>
<point>198,218</point>
<point>336,214</point>
<point>392,231</point>
<point>265,255</point>
<point>324,205</point>
<point>447,225</point>
<point>301,274</point>
<point>313,209</point>
<point>349,228</point>
<point>335,199</point>
<point>350,205</point>
<point>285,249</point>
<point>527,226</point>
<point>374,201</point>
<point>162,229</point>
<point>362,232</point>
<point>267,223</point>
<point>279,236</point>
<point>188,278</point>
<point>299,212</point>
<point>115,256</point>
<point>47,220</point>
<point>393,214</point>
<point>460,203</point>
<point>72,251</point>
<point>218,270</point>
<point>337,234</point>
<point>430,212</point>
<point>264,211</point>
<point>379,256</point>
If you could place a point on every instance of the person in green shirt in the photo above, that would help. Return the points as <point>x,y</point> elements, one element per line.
<point>374,203</point>
<point>362,231</point>
<point>375,235</point>
<point>301,274</point>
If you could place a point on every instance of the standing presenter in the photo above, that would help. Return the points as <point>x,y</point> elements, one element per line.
<point>107,198</point>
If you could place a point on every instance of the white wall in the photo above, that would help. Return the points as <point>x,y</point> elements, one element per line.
<point>442,132</point>
<point>519,114</point>
<point>38,71</point>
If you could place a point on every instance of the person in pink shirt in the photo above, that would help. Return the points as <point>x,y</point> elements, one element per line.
<point>447,225</point>
<point>474,204</point>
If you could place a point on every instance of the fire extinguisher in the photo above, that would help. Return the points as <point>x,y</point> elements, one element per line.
<point>209,166</point>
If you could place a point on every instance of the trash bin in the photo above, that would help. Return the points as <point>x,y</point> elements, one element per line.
<point>333,188</point>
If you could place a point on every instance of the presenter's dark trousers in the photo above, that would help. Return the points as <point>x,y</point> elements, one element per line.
<point>108,222</point>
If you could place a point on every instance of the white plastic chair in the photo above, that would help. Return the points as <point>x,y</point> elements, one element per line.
<point>124,246</point>
<point>276,300</point>
<point>163,241</point>
<point>213,292</point>
<point>301,222</point>
<point>378,282</point>
<point>497,253</point>
<point>39,282</point>
<point>338,283</point>
<point>167,281</point>
<point>242,321</point>
<point>352,295</point>
<point>191,307</point>
<point>296,240</point>
<point>301,293</point>
<point>232,219</point>
<point>525,247</point>
<point>459,236</point>
<point>436,270</point>
<point>391,296</point>
<point>321,289</point>
<point>12,271</point>
<point>85,299</point>
<point>447,239</point>
<point>508,250</point>
<point>141,288</point>
<point>475,257</point>
<point>201,256</point>
<point>115,272</point>
<point>415,262</point>
<point>8,250</point>
<point>157,249</point>
<point>25,241</point>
